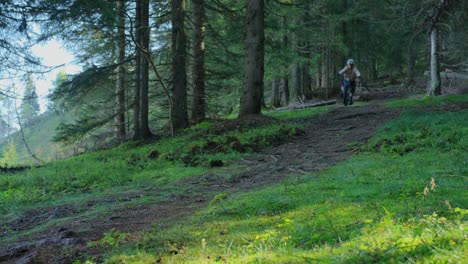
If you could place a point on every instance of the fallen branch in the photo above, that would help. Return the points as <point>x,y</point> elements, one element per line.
<point>309,105</point>
<point>296,170</point>
<point>247,161</point>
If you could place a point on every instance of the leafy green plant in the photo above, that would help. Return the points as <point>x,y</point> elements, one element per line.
<point>111,240</point>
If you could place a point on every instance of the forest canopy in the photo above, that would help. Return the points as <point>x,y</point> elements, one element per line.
<point>156,67</point>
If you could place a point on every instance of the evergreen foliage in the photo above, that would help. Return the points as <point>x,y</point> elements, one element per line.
<point>9,156</point>
<point>306,42</point>
<point>30,105</point>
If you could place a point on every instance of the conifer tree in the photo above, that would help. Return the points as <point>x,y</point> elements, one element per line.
<point>30,105</point>
<point>9,157</point>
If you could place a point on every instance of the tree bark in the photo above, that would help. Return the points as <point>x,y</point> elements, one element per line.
<point>285,79</point>
<point>285,88</point>
<point>144,86</point>
<point>198,66</point>
<point>324,69</point>
<point>275,93</point>
<point>318,77</point>
<point>411,58</point>
<point>411,64</point>
<point>296,82</point>
<point>136,104</point>
<point>434,87</point>
<point>306,78</point>
<point>120,83</point>
<point>306,91</point>
<point>251,100</point>
<point>179,70</point>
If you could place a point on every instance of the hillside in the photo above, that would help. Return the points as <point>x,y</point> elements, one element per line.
<point>38,136</point>
<point>381,182</point>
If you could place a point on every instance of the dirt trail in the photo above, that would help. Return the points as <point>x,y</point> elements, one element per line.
<point>328,139</point>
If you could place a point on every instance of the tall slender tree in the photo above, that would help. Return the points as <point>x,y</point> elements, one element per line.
<point>435,85</point>
<point>3,127</point>
<point>120,82</point>
<point>179,71</point>
<point>137,75</point>
<point>275,92</point>
<point>198,65</point>
<point>30,105</point>
<point>285,77</point>
<point>251,100</point>
<point>144,70</point>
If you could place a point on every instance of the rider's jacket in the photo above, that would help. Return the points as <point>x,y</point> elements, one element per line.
<point>352,74</point>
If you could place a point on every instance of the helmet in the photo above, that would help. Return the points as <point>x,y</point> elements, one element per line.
<point>350,62</point>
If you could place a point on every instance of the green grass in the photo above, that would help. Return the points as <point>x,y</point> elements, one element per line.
<point>161,164</point>
<point>381,206</point>
<point>302,113</point>
<point>402,198</point>
<point>415,130</point>
<point>39,139</point>
<point>429,101</point>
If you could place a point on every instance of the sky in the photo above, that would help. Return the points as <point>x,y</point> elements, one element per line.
<point>52,54</point>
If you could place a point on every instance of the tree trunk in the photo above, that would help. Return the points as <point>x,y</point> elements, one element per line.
<point>275,93</point>
<point>306,78</point>
<point>285,80</point>
<point>325,68</point>
<point>375,73</point>
<point>144,86</point>
<point>120,83</point>
<point>318,79</point>
<point>411,61</point>
<point>285,87</point>
<point>136,108</point>
<point>296,82</point>
<point>306,82</point>
<point>434,87</point>
<point>179,71</point>
<point>251,100</point>
<point>198,66</point>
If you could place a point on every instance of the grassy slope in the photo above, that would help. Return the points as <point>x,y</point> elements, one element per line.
<point>38,136</point>
<point>371,208</point>
<point>160,165</point>
<point>402,199</point>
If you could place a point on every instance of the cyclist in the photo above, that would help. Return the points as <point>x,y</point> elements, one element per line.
<point>352,73</point>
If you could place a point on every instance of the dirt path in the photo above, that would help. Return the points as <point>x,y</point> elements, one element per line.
<point>328,139</point>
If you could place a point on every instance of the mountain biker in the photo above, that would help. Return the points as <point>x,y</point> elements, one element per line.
<point>350,71</point>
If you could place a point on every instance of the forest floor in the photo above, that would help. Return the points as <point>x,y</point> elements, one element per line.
<point>326,140</point>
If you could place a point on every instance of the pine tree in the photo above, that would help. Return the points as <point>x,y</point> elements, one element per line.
<point>120,80</point>
<point>251,100</point>
<point>9,157</point>
<point>198,65</point>
<point>3,127</point>
<point>179,72</point>
<point>30,105</point>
